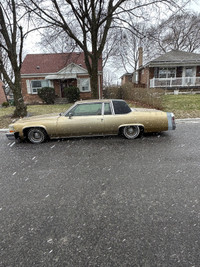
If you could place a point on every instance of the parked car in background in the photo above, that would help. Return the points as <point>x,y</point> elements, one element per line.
<point>92,118</point>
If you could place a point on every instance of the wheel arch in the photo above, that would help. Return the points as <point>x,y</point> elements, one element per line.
<point>141,126</point>
<point>27,128</point>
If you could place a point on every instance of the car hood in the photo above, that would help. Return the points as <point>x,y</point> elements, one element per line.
<point>40,117</point>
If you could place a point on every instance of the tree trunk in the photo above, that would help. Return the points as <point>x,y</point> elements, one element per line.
<point>94,80</point>
<point>20,107</point>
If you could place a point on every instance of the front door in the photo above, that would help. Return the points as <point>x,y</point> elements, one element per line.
<point>82,120</point>
<point>67,83</point>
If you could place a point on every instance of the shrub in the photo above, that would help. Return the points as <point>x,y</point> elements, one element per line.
<point>114,92</point>
<point>72,93</point>
<point>151,98</point>
<point>47,94</point>
<point>5,104</point>
<point>147,96</point>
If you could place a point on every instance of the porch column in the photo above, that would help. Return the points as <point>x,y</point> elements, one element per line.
<point>153,83</point>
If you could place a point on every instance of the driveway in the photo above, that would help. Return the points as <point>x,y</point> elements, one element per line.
<point>102,201</point>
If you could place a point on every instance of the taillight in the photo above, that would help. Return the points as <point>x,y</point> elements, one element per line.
<point>173,121</point>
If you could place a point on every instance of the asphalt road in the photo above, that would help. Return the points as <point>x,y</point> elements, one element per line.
<point>102,201</point>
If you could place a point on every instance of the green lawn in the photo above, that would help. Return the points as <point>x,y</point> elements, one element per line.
<point>183,106</point>
<point>6,113</point>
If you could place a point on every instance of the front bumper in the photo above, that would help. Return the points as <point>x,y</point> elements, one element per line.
<point>12,136</point>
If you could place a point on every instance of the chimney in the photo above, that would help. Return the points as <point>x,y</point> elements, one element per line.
<point>140,57</point>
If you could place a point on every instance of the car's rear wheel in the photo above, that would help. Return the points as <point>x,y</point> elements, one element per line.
<point>37,135</point>
<point>131,132</point>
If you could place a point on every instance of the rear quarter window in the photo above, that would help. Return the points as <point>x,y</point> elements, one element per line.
<point>121,107</point>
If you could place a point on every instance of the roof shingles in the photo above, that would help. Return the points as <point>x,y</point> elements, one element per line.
<point>177,56</point>
<point>51,63</point>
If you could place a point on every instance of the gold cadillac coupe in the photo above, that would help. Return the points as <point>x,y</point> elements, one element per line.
<point>92,118</point>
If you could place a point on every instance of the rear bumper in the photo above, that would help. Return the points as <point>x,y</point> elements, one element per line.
<point>171,121</point>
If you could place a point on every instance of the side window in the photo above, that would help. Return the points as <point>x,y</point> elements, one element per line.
<point>107,110</point>
<point>121,107</point>
<point>86,110</point>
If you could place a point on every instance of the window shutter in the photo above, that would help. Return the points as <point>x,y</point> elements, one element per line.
<point>28,86</point>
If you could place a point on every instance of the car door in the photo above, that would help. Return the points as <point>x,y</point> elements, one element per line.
<point>83,120</point>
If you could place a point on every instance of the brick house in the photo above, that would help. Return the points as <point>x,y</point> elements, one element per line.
<point>57,70</point>
<point>173,70</point>
<point>2,93</point>
<point>126,78</point>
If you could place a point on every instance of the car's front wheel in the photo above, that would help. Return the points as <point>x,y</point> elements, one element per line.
<point>131,132</point>
<point>37,135</point>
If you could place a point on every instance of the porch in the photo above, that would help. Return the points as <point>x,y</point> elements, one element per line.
<point>175,82</point>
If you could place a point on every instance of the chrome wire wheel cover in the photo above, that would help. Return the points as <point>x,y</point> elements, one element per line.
<point>36,135</point>
<point>131,132</point>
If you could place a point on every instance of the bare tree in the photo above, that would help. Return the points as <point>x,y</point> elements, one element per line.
<point>12,39</point>
<point>55,40</point>
<point>109,78</point>
<point>88,23</point>
<point>126,52</point>
<point>180,32</point>
<point>145,31</point>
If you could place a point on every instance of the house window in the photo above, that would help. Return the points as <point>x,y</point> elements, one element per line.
<point>85,85</point>
<point>189,72</point>
<point>38,84</point>
<point>167,73</point>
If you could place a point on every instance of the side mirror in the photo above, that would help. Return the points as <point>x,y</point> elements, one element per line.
<point>70,115</point>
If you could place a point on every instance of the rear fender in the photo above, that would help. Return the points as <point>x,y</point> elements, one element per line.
<point>131,124</point>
